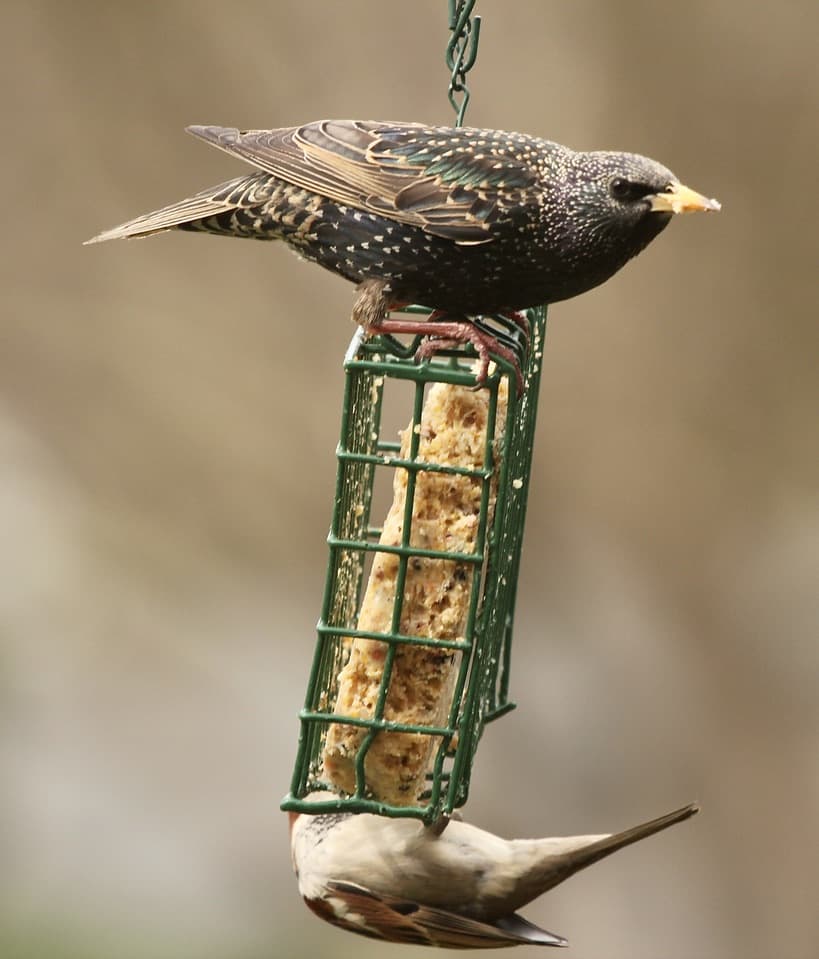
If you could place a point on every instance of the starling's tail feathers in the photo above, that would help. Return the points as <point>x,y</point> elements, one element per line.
<point>240,193</point>
<point>159,221</point>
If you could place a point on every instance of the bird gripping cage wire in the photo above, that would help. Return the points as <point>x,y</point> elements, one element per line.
<point>414,641</point>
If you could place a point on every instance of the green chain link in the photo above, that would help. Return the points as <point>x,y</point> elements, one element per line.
<point>461,52</point>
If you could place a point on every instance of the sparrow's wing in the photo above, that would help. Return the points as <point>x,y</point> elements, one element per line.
<point>390,918</point>
<point>461,184</point>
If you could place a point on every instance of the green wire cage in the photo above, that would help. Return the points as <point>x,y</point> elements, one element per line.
<point>480,692</point>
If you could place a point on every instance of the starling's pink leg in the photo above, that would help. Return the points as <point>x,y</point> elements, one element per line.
<point>518,317</point>
<point>371,310</point>
<point>521,321</point>
<point>447,334</point>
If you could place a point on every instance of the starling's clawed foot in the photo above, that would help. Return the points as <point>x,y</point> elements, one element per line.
<point>521,321</point>
<point>450,333</point>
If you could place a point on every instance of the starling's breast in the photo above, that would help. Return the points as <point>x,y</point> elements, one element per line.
<point>515,269</point>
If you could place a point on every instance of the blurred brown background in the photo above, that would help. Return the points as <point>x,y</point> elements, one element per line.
<point>168,415</point>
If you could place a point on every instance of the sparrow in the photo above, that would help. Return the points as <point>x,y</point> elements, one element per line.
<point>463,221</point>
<point>450,885</point>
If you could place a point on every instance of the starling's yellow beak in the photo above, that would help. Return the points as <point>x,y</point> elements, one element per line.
<point>679,199</point>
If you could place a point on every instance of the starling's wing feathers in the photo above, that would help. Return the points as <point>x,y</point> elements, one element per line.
<point>389,917</point>
<point>242,192</point>
<point>455,183</point>
<point>321,164</point>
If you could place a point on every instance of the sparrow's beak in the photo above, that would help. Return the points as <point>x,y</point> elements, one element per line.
<point>680,199</point>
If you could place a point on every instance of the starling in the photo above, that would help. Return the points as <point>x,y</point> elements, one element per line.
<point>464,221</point>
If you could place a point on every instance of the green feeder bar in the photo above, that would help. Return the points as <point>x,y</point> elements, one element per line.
<point>373,368</point>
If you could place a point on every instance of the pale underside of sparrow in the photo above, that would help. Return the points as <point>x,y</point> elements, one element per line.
<point>452,885</point>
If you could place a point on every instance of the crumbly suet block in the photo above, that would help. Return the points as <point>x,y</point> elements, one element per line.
<point>436,602</point>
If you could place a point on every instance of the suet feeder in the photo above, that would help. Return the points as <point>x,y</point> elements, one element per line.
<point>481,654</point>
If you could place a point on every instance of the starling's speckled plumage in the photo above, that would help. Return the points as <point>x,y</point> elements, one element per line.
<point>463,221</point>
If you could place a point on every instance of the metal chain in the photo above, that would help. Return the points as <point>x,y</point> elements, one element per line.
<point>461,52</point>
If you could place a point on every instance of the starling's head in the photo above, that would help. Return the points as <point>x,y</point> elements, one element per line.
<point>614,206</point>
<point>631,187</point>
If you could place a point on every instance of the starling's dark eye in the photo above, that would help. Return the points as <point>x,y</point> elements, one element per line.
<point>626,190</point>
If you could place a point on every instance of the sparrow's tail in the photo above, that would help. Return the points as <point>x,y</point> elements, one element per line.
<point>599,848</point>
<point>554,860</point>
<point>228,209</point>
